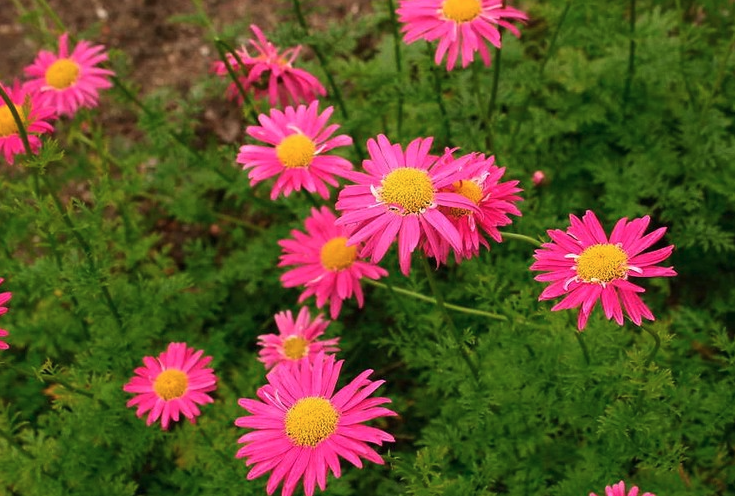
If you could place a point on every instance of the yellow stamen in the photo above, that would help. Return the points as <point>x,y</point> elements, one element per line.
<point>470,190</point>
<point>7,123</point>
<point>336,255</point>
<point>295,347</point>
<point>296,150</point>
<point>62,74</point>
<point>170,384</point>
<point>409,188</point>
<point>461,10</point>
<point>310,421</point>
<point>602,263</point>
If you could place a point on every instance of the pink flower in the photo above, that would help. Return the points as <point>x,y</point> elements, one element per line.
<point>459,25</point>
<point>34,116</point>
<point>4,298</point>
<point>325,265</point>
<point>175,382</point>
<point>296,340</point>
<point>270,74</point>
<point>301,426</point>
<point>68,82</point>
<point>538,178</point>
<point>584,265</point>
<point>619,490</point>
<point>399,197</point>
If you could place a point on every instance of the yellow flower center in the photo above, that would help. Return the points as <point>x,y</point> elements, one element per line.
<point>409,188</point>
<point>470,190</point>
<point>7,123</point>
<point>602,263</point>
<point>295,347</point>
<point>295,150</point>
<point>310,421</point>
<point>171,384</point>
<point>62,74</point>
<point>461,10</point>
<point>336,255</point>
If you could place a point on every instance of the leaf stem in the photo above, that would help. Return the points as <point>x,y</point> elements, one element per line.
<point>223,47</point>
<point>522,237</point>
<point>583,346</point>
<point>399,66</point>
<point>493,99</point>
<point>656,345</point>
<point>17,118</point>
<point>447,130</point>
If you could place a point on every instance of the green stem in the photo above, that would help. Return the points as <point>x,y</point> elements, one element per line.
<point>722,70</point>
<point>522,237</point>
<point>493,98</point>
<point>428,299</point>
<point>15,444</point>
<point>399,66</point>
<point>631,55</point>
<point>202,11</point>
<point>17,118</point>
<point>53,15</point>
<point>583,345</point>
<point>656,346</point>
<point>223,47</point>
<point>448,319</point>
<point>447,130</point>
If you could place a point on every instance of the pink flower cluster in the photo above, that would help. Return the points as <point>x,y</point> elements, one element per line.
<point>4,298</point>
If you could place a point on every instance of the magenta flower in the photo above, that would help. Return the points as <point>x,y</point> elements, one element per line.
<point>34,116</point>
<point>584,265</point>
<point>296,339</point>
<point>461,26</point>
<point>400,197</point>
<point>619,490</point>
<point>325,265</point>
<point>299,140</point>
<point>302,427</point>
<point>66,82</point>
<point>270,74</point>
<point>4,298</point>
<point>175,382</point>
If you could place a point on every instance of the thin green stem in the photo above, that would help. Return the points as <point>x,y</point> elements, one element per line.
<point>446,126</point>
<point>15,444</point>
<point>223,47</point>
<point>583,346</point>
<point>493,98</point>
<point>719,78</point>
<point>399,66</point>
<point>202,11</point>
<point>52,14</point>
<point>522,237</point>
<point>17,118</point>
<point>656,345</point>
<point>631,56</point>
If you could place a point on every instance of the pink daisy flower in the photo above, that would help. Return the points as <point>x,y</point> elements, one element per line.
<point>619,490</point>
<point>296,339</point>
<point>270,74</point>
<point>298,142</point>
<point>4,298</point>
<point>400,197</point>
<point>34,116</point>
<point>584,265</point>
<point>175,382</point>
<point>495,200</point>
<point>67,82</point>
<point>325,265</point>
<point>301,426</point>
<point>460,26</point>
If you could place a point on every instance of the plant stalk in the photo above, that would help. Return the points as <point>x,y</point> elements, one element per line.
<point>446,126</point>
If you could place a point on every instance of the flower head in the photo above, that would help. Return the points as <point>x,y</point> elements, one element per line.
<point>619,490</point>
<point>68,81</point>
<point>461,26</point>
<point>400,197</point>
<point>298,142</point>
<point>538,178</point>
<point>325,264</point>
<point>175,382</point>
<point>4,298</point>
<point>34,116</point>
<point>584,265</point>
<point>270,74</point>
<point>301,426</point>
<point>296,339</point>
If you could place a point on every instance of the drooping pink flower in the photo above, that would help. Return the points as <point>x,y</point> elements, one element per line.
<point>619,490</point>
<point>325,265</point>
<point>270,74</point>
<point>296,339</point>
<point>69,81</point>
<point>4,298</point>
<point>302,427</point>
<point>461,26</point>
<point>585,266</point>
<point>298,142</point>
<point>174,383</point>
<point>33,114</point>
<point>400,197</point>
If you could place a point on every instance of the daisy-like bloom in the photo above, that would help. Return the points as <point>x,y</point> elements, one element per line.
<point>495,200</point>
<point>298,142</point>
<point>301,426</point>
<point>68,81</point>
<point>619,490</point>
<point>270,74</point>
<point>325,265</point>
<point>584,265</point>
<point>296,339</point>
<point>460,26</point>
<point>34,116</point>
<point>4,298</point>
<point>175,382</point>
<point>400,197</point>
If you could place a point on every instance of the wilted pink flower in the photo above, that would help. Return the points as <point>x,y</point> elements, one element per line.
<point>461,26</point>
<point>619,490</point>
<point>4,298</point>
<point>302,427</point>
<point>584,265</point>
<point>34,116</point>
<point>175,382</point>
<point>325,265</point>
<point>67,82</point>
